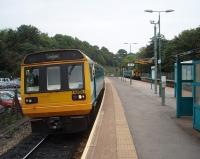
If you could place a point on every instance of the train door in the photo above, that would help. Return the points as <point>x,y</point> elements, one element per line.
<point>93,82</point>
<point>95,86</point>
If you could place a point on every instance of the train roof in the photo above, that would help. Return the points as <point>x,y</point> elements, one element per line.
<point>56,55</point>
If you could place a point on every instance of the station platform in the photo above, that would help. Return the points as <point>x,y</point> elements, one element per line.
<point>132,123</point>
<point>110,137</point>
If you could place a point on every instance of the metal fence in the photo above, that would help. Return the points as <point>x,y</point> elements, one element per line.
<point>169,75</point>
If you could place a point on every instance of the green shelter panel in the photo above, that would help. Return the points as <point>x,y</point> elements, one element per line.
<point>196,118</point>
<point>186,89</point>
<point>197,95</point>
<point>184,96</point>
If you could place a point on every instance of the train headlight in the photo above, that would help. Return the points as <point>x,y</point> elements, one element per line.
<point>78,96</point>
<point>31,100</point>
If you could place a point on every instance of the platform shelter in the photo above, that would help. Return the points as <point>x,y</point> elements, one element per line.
<point>188,86</point>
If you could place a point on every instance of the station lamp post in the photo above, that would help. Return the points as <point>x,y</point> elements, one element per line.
<point>130,45</point>
<point>155,56</point>
<point>159,39</point>
<point>130,52</point>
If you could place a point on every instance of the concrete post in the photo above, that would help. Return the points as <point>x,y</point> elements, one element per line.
<point>155,58</point>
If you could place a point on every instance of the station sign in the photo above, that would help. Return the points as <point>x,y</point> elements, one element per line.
<point>163,80</point>
<point>153,72</point>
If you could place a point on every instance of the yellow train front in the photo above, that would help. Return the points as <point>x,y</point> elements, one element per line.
<point>59,90</point>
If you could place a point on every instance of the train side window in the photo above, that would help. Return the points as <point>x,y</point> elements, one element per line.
<point>75,76</point>
<point>32,80</point>
<point>53,78</point>
<point>91,72</point>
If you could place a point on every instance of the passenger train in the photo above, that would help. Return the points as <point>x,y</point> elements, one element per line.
<point>59,90</point>
<point>133,74</point>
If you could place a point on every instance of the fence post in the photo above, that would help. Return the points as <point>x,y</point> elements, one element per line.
<point>17,105</point>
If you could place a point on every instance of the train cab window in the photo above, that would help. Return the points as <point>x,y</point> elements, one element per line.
<point>53,78</point>
<point>32,80</point>
<point>75,76</point>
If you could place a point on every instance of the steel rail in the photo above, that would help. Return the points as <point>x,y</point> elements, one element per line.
<point>34,148</point>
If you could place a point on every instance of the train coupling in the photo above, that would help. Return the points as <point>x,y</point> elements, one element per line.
<point>54,123</point>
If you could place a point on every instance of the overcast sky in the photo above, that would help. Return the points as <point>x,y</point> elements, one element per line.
<point>108,23</point>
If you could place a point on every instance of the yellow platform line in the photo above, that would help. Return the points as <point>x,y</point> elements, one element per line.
<point>125,145</point>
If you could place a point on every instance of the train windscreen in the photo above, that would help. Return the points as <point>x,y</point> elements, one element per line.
<point>75,76</point>
<point>54,78</point>
<point>32,80</point>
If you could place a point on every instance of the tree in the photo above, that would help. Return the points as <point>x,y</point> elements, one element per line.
<point>121,53</point>
<point>15,44</point>
<point>28,33</point>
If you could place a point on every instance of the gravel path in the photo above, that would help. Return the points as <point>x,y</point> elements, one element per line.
<point>13,137</point>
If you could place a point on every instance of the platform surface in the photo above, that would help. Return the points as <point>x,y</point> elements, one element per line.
<point>110,137</point>
<point>133,124</point>
<point>158,134</point>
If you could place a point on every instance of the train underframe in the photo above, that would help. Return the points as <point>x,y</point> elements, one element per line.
<point>65,124</point>
<point>61,124</point>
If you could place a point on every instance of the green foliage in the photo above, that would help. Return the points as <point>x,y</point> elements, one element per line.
<point>187,40</point>
<point>15,44</point>
<point>130,58</point>
<point>121,53</point>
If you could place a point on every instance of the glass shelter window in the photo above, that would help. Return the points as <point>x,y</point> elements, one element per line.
<point>197,88</point>
<point>32,80</point>
<point>75,76</point>
<point>53,78</point>
<point>187,77</point>
<point>186,72</point>
<point>197,74</point>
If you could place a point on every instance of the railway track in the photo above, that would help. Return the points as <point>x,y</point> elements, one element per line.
<point>46,147</point>
<point>59,146</point>
<point>22,148</point>
<point>34,148</point>
<point>56,146</point>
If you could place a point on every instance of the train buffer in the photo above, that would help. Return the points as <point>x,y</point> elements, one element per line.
<point>133,124</point>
